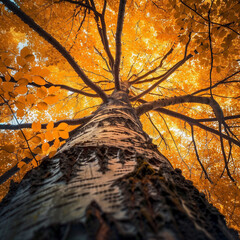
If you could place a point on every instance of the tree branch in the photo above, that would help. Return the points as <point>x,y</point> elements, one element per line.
<point>171,101</point>
<point>193,121</point>
<point>216,84</point>
<point>219,24</point>
<point>121,12</point>
<point>162,77</point>
<point>71,122</point>
<point>198,158</point>
<point>15,168</point>
<point>62,86</point>
<point>153,70</point>
<point>103,31</point>
<point>31,23</point>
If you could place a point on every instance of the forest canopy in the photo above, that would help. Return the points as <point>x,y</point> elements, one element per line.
<point>179,59</point>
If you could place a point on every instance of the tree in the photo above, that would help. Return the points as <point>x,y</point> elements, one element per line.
<point>76,76</point>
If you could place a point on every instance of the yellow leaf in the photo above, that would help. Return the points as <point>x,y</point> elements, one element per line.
<point>8,148</point>
<point>36,126</point>
<point>50,125</point>
<point>51,99</point>
<point>45,147</point>
<point>42,106</point>
<point>62,126</point>
<point>38,80</point>
<point>64,134</point>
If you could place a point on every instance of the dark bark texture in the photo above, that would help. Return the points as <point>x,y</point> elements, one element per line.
<point>109,182</point>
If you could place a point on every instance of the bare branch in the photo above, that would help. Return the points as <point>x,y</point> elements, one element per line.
<point>71,122</point>
<point>215,119</point>
<point>15,169</point>
<point>103,31</point>
<point>219,24</point>
<point>193,121</point>
<point>196,151</point>
<point>62,86</point>
<point>31,23</point>
<point>216,84</point>
<point>20,128</point>
<point>153,70</point>
<point>162,77</point>
<point>121,12</point>
<point>171,101</point>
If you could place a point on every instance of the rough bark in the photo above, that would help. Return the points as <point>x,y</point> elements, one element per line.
<point>109,182</point>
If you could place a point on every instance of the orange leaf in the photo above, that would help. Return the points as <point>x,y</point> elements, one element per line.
<point>41,92</point>
<point>53,90</point>
<point>45,147</point>
<point>30,57</point>
<point>8,77</point>
<point>42,106</point>
<point>25,51</point>
<point>21,90</point>
<point>8,148</point>
<point>22,81</point>
<point>8,86</point>
<point>21,164</point>
<point>28,154</point>
<point>51,99</point>
<point>62,126</point>
<point>20,105</point>
<point>31,99</point>
<point>52,153</point>
<point>37,150</point>
<point>50,125</point>
<point>36,139</point>
<point>56,143</point>
<point>20,113</point>
<point>36,126</point>
<point>49,136</point>
<point>64,134</point>
<point>38,80</point>
<point>34,163</point>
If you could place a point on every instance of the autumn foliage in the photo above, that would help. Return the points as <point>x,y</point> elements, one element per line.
<point>183,54</point>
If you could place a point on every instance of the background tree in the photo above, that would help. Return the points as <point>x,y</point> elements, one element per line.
<point>177,60</point>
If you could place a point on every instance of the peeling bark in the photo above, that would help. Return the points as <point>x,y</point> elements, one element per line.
<point>109,182</point>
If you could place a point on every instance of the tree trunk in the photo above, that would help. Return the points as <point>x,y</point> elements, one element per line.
<point>109,182</point>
